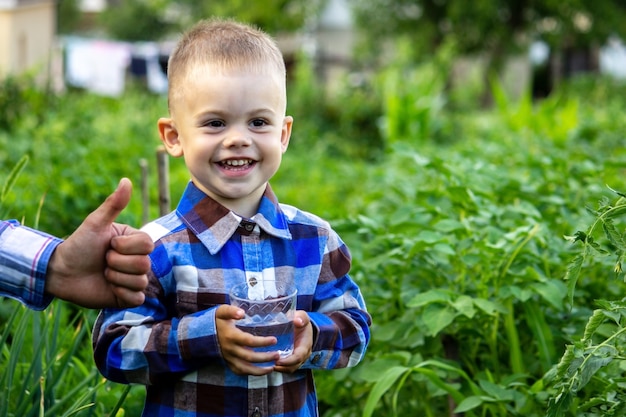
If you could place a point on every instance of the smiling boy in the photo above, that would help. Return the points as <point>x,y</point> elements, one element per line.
<point>227,103</point>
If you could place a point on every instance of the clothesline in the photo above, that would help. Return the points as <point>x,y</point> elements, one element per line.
<point>101,66</point>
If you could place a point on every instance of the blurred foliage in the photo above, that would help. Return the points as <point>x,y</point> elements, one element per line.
<point>273,16</point>
<point>348,118</point>
<point>138,20</point>
<point>78,151</point>
<point>68,16</point>
<point>493,30</point>
<point>484,25</point>
<point>144,20</point>
<point>20,98</point>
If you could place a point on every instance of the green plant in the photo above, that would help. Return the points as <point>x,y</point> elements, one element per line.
<point>413,99</point>
<point>10,182</point>
<point>459,251</point>
<point>43,371</point>
<point>21,97</point>
<point>76,159</point>
<point>555,118</point>
<point>589,377</point>
<point>464,283</point>
<point>457,244</point>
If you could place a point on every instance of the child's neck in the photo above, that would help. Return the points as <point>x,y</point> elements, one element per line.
<point>242,207</point>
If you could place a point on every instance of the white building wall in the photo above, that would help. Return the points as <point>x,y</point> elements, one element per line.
<point>27,30</point>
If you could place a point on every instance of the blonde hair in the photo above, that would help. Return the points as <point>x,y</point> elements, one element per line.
<point>224,45</point>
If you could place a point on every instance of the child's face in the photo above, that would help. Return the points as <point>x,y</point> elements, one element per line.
<point>232,131</point>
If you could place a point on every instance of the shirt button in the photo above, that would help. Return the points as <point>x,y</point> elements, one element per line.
<point>249,227</point>
<point>316,359</point>
<point>256,413</point>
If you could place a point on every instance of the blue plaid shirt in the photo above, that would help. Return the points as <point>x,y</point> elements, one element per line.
<point>202,249</point>
<point>24,257</point>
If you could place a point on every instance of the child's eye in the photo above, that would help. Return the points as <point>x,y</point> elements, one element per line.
<point>214,123</point>
<point>258,123</point>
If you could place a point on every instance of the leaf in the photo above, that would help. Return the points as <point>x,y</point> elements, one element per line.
<point>464,305</point>
<point>553,291</point>
<point>591,366</point>
<point>386,332</point>
<point>571,276</point>
<point>448,225</point>
<point>376,369</point>
<point>616,192</point>
<point>381,387</point>
<point>579,236</point>
<point>615,211</point>
<point>488,306</point>
<point>10,181</point>
<point>559,406</point>
<point>613,234</point>
<point>522,294</point>
<point>542,333</point>
<point>437,318</point>
<point>429,237</point>
<point>444,248</point>
<point>495,391</point>
<point>470,403</point>
<point>429,297</point>
<point>596,319</point>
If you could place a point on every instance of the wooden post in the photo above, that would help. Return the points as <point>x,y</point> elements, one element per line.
<point>145,192</point>
<point>164,181</point>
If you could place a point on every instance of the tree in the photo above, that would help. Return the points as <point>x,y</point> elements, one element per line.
<point>270,15</point>
<point>151,20</point>
<point>137,20</point>
<point>68,16</point>
<point>495,27</point>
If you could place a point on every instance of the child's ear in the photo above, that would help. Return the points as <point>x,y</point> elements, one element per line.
<point>286,132</point>
<point>169,136</point>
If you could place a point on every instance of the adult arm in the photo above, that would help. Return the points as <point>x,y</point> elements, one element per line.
<point>102,264</point>
<point>24,257</point>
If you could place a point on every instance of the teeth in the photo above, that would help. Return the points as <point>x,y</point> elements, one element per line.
<point>237,162</point>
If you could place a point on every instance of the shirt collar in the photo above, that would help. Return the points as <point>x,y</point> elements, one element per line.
<point>214,224</point>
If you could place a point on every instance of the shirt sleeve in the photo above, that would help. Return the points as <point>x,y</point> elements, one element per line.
<point>148,344</point>
<point>24,257</point>
<point>341,323</point>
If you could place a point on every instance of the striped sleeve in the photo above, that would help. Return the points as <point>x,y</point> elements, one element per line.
<point>24,257</point>
<point>340,320</point>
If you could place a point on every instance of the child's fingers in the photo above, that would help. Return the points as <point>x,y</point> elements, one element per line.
<point>228,312</point>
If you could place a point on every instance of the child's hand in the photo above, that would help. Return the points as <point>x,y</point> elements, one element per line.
<point>303,344</point>
<point>236,344</point>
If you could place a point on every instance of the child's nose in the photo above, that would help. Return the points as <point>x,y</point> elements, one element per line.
<point>237,137</point>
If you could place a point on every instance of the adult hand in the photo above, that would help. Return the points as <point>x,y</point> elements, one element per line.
<point>302,346</point>
<point>236,345</point>
<point>102,264</point>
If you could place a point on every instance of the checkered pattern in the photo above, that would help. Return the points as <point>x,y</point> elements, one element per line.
<point>24,256</point>
<point>202,249</point>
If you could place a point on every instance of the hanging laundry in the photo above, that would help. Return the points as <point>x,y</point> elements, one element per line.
<point>145,60</point>
<point>97,65</point>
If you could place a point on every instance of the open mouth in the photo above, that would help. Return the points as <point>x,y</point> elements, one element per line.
<point>237,164</point>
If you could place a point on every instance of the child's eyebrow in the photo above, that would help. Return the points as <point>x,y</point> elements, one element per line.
<point>263,111</point>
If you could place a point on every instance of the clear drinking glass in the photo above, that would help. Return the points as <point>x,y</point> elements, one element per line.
<point>269,307</point>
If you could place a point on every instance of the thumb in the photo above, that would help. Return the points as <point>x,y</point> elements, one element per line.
<point>228,312</point>
<point>301,318</point>
<point>115,203</point>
